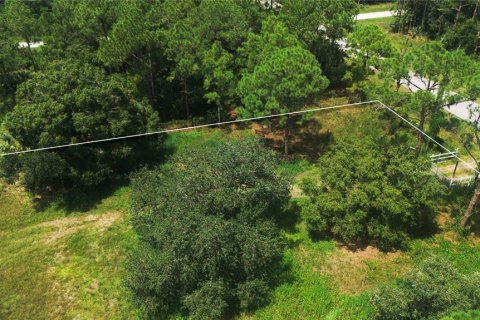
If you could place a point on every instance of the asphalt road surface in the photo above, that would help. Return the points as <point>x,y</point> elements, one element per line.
<point>465,110</point>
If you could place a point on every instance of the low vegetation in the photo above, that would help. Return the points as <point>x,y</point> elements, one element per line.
<point>336,214</point>
<point>429,291</point>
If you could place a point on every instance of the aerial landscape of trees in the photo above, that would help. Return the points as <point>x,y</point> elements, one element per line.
<point>370,189</point>
<point>326,215</point>
<point>209,241</point>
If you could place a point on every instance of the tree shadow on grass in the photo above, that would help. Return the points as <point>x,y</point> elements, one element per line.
<point>306,139</point>
<point>80,199</point>
<point>310,140</point>
<point>290,217</point>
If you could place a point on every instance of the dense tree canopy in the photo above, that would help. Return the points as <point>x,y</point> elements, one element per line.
<point>369,43</point>
<point>455,22</point>
<point>207,219</point>
<point>209,243</point>
<point>371,190</point>
<point>107,68</point>
<point>431,290</point>
<point>286,80</point>
<point>319,24</point>
<point>71,103</point>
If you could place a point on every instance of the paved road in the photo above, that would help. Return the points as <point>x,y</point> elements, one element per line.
<point>465,110</point>
<point>375,15</point>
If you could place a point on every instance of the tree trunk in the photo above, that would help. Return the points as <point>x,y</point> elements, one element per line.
<point>423,115</point>
<point>401,18</point>
<point>365,61</point>
<point>286,135</point>
<point>459,9</point>
<point>424,14</point>
<point>153,94</point>
<point>471,206</point>
<point>187,111</point>
<point>474,15</point>
<point>30,55</point>
<point>218,113</point>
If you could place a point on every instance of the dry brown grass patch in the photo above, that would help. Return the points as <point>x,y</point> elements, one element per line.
<point>69,225</point>
<point>353,272</point>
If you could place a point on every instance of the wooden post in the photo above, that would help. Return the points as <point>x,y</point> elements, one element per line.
<point>453,175</point>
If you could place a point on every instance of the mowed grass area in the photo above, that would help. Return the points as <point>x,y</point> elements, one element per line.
<point>63,264</point>
<point>65,259</point>
<point>385,6</point>
<point>383,23</point>
<point>399,41</point>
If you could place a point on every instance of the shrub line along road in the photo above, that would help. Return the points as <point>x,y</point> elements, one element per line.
<point>465,110</point>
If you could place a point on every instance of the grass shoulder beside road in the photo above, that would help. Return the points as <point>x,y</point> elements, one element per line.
<point>378,7</point>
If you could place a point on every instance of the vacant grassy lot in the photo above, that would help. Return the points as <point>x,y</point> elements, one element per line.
<point>64,259</point>
<point>62,263</point>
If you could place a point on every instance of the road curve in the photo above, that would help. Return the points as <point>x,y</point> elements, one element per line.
<point>375,15</point>
<point>465,110</point>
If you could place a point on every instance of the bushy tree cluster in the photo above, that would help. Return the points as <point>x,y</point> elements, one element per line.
<point>72,103</point>
<point>284,81</point>
<point>369,44</point>
<point>209,245</point>
<point>110,67</point>
<point>371,190</point>
<point>431,290</point>
<point>454,22</point>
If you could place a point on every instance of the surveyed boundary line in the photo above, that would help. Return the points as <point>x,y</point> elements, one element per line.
<point>240,121</point>
<point>186,128</point>
<point>426,135</point>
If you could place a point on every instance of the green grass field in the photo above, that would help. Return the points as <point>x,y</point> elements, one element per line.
<point>376,7</point>
<point>65,259</point>
<point>60,263</point>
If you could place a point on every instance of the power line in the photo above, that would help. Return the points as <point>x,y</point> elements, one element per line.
<point>183,129</point>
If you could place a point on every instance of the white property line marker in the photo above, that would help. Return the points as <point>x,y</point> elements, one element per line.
<point>240,121</point>
<point>426,135</point>
<point>184,128</point>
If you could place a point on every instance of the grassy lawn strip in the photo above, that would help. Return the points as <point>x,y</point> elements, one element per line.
<point>383,23</point>
<point>57,264</point>
<point>387,6</point>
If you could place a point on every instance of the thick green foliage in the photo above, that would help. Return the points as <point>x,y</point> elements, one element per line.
<point>371,190</point>
<point>71,103</point>
<point>43,170</point>
<point>319,24</point>
<point>209,245</point>
<point>369,44</point>
<point>284,81</point>
<point>433,289</point>
<point>273,35</point>
<point>100,60</point>
<point>453,22</point>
